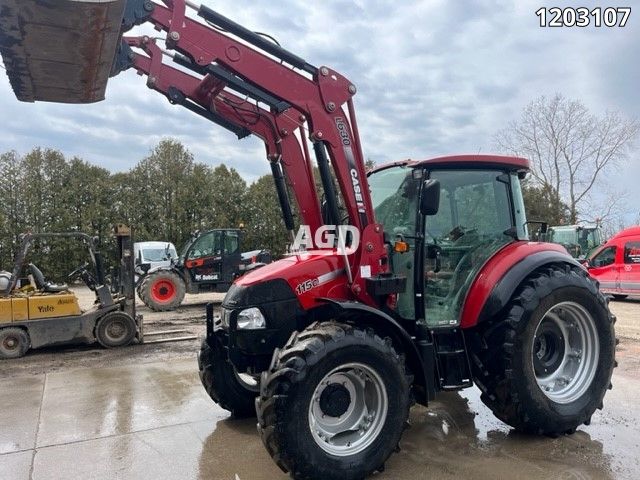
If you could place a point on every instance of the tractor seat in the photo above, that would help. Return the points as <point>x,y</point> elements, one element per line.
<point>42,284</point>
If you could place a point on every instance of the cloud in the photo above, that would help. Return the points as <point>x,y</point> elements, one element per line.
<point>434,77</point>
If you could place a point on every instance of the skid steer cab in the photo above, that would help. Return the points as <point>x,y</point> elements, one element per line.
<point>209,262</point>
<point>36,313</point>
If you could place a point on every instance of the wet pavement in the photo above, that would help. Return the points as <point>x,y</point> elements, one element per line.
<point>154,421</point>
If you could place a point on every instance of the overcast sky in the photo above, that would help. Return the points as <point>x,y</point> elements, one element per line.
<point>433,77</point>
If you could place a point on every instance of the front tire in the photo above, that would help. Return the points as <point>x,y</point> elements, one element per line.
<point>14,342</point>
<point>162,291</point>
<point>334,403</point>
<point>115,329</point>
<point>546,365</point>
<point>231,390</point>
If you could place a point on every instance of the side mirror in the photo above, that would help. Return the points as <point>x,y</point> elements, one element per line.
<point>430,200</point>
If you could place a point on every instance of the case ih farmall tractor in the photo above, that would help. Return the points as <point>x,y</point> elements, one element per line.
<point>442,291</point>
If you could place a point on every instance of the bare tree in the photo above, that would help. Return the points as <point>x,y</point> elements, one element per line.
<point>569,147</point>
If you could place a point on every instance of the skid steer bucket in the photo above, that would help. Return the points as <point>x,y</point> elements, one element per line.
<point>59,50</point>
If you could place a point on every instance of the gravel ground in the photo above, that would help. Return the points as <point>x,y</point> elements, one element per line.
<point>190,317</point>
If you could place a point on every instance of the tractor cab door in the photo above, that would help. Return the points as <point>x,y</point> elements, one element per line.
<point>204,258</point>
<point>475,219</point>
<point>231,255</point>
<point>395,192</point>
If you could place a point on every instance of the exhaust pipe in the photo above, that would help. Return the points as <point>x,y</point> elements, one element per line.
<point>60,50</point>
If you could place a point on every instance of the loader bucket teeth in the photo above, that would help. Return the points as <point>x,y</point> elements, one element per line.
<point>59,50</point>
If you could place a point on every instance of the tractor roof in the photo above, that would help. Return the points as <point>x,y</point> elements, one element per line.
<point>462,161</point>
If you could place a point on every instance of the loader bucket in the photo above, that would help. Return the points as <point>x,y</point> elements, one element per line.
<point>59,50</point>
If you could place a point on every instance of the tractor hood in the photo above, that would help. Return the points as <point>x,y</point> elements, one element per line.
<point>59,50</point>
<point>310,275</point>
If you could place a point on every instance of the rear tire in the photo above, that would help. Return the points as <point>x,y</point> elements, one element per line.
<point>546,365</point>
<point>14,342</point>
<point>334,403</point>
<point>232,391</point>
<point>115,329</point>
<point>162,291</point>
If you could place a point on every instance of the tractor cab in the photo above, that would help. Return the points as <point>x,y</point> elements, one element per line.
<point>480,210</point>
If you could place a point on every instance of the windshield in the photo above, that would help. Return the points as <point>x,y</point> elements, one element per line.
<point>159,254</point>
<point>564,236</point>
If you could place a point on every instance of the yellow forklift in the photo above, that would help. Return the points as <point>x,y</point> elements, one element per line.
<point>36,313</point>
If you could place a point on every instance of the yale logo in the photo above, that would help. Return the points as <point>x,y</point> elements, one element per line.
<point>46,308</point>
<point>64,301</point>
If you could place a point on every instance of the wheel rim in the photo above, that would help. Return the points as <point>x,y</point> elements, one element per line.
<point>115,330</point>
<point>565,352</point>
<point>163,291</point>
<point>348,409</point>
<point>10,343</point>
<point>248,381</point>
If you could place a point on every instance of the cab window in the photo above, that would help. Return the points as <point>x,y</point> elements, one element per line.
<point>473,222</point>
<point>208,244</point>
<point>230,242</point>
<point>606,257</point>
<point>632,253</point>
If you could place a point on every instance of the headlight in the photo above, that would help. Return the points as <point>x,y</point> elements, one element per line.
<point>251,319</point>
<point>226,314</point>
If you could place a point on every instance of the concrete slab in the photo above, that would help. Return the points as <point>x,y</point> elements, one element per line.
<point>204,450</point>
<point>93,403</point>
<point>155,421</point>
<point>16,466</point>
<point>19,412</point>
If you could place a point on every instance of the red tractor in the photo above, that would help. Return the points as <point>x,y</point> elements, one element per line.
<point>442,291</point>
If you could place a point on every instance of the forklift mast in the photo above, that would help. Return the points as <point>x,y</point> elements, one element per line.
<point>126,282</point>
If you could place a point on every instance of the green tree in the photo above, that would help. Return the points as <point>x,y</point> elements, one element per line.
<point>542,204</point>
<point>264,227</point>
<point>228,191</point>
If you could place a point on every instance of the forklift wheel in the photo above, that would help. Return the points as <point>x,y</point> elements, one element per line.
<point>115,329</point>
<point>14,342</point>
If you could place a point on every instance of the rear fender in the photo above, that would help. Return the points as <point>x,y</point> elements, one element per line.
<point>385,326</point>
<point>166,269</point>
<point>502,275</point>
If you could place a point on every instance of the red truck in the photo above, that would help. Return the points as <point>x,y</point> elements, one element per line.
<point>616,264</point>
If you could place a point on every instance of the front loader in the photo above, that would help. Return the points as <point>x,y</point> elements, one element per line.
<point>37,313</point>
<point>440,289</point>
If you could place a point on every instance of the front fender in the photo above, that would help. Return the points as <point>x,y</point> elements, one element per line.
<point>178,272</point>
<point>499,278</point>
<point>386,326</point>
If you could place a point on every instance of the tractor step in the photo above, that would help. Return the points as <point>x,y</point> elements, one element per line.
<point>60,51</point>
<point>452,362</point>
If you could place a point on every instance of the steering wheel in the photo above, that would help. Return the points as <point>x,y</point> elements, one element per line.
<point>77,271</point>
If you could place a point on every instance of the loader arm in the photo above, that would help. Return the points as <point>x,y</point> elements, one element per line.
<point>324,100</point>
<point>207,97</point>
<point>283,99</point>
